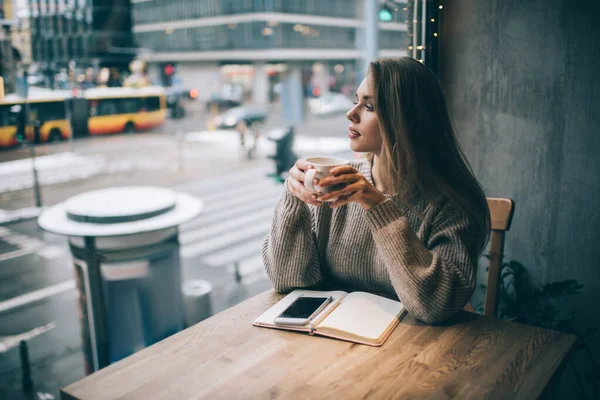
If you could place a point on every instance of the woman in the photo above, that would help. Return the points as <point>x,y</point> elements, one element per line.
<point>412,219</point>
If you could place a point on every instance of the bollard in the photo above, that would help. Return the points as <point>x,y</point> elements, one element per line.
<point>196,301</point>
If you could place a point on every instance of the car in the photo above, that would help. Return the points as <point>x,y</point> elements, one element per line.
<point>330,104</point>
<point>247,114</point>
<point>221,103</point>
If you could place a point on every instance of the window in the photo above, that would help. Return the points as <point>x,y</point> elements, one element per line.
<point>50,111</point>
<point>129,106</point>
<point>107,107</point>
<point>152,103</point>
<point>393,40</point>
<point>7,116</point>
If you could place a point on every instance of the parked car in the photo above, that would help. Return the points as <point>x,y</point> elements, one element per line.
<point>222,103</point>
<point>231,118</point>
<point>329,104</point>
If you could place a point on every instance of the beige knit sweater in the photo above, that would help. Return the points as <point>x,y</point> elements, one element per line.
<point>428,262</point>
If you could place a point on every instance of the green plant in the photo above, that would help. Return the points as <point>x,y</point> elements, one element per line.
<point>521,301</point>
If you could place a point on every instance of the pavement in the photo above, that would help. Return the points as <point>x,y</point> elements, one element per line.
<point>38,299</point>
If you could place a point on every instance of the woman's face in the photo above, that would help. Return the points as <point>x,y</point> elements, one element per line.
<point>365,136</point>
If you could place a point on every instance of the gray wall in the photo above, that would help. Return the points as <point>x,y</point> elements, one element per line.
<point>523,84</point>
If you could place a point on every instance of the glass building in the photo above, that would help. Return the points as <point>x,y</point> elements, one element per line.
<point>200,37</point>
<point>85,33</point>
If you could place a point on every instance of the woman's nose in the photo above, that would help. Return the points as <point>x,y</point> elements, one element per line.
<point>352,115</point>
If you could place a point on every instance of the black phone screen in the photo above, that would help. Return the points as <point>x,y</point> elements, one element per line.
<point>303,307</point>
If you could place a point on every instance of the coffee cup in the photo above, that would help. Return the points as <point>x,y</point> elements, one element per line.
<point>321,168</point>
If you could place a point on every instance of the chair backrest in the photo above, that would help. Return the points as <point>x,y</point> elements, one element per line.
<point>501,213</point>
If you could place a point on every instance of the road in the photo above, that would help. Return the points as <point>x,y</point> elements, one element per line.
<point>179,151</point>
<point>36,273</point>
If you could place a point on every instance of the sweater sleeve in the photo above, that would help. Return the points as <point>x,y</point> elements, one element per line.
<point>289,251</point>
<point>434,279</point>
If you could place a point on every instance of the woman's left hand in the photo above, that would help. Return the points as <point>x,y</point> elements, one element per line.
<point>357,188</point>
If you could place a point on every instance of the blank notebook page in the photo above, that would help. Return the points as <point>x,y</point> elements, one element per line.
<point>363,314</point>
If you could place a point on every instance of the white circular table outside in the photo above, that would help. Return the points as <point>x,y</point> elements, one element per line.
<point>120,204</point>
<point>120,211</point>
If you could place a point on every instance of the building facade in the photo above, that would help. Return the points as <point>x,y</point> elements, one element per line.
<point>259,36</point>
<point>9,55</point>
<point>21,39</point>
<point>80,34</point>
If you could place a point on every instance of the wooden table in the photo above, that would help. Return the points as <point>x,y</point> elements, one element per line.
<point>225,357</point>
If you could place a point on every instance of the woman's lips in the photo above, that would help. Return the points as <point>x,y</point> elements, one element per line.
<point>353,133</point>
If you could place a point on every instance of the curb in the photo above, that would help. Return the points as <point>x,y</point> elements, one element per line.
<point>22,214</point>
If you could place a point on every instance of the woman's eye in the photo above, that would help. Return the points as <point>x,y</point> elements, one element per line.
<point>355,102</point>
<point>369,107</point>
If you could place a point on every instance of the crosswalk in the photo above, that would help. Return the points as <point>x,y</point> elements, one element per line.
<point>226,238</point>
<point>233,223</point>
<point>24,244</point>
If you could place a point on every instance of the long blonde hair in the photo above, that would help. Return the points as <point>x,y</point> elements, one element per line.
<point>420,153</point>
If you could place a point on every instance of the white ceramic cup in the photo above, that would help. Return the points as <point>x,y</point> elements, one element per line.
<point>322,167</point>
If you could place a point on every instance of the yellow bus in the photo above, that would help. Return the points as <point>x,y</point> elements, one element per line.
<point>48,121</point>
<point>113,110</point>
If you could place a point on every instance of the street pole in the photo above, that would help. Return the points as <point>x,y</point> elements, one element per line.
<point>371,22</point>
<point>69,114</point>
<point>36,184</point>
<point>30,144</point>
<point>179,149</point>
<point>292,97</point>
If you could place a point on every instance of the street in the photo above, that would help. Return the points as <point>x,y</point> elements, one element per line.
<point>36,272</point>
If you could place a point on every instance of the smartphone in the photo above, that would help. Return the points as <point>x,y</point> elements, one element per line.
<point>302,310</point>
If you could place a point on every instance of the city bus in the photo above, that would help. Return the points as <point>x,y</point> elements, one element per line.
<point>113,110</point>
<point>48,118</point>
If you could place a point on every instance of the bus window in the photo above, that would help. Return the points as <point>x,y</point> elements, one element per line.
<point>129,105</point>
<point>16,115</point>
<point>4,115</point>
<point>152,103</point>
<point>107,107</point>
<point>49,111</point>
<point>93,108</point>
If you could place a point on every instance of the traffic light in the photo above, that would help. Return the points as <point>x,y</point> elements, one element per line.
<point>167,74</point>
<point>386,12</point>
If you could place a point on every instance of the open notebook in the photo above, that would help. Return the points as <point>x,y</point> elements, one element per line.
<point>356,317</point>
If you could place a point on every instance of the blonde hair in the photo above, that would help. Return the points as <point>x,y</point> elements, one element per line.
<point>420,153</point>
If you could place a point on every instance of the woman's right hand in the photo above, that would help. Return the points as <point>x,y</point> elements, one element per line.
<point>295,182</point>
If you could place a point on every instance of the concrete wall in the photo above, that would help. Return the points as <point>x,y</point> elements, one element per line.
<point>523,84</point>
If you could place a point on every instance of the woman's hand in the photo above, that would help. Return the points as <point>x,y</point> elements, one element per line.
<point>295,182</point>
<point>357,188</point>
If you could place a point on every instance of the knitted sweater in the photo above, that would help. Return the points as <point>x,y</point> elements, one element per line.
<point>427,261</point>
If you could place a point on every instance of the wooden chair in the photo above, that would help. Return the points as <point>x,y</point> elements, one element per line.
<point>501,213</point>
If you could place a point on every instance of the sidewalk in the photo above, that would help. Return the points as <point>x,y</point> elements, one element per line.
<point>9,216</point>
